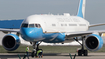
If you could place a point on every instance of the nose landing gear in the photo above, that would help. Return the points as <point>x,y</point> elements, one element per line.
<point>35,48</point>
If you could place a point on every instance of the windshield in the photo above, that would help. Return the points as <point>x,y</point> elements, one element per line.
<point>24,25</point>
<point>37,25</point>
<point>31,25</point>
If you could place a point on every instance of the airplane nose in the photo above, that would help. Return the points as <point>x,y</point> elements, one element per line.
<point>30,33</point>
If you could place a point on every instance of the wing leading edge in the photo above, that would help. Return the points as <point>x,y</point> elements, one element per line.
<point>82,33</point>
<point>10,30</point>
<point>93,25</point>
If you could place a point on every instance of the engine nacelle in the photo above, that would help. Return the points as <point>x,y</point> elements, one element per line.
<point>93,42</point>
<point>10,42</point>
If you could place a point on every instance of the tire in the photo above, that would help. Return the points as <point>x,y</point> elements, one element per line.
<point>32,54</point>
<point>79,52</point>
<point>85,53</point>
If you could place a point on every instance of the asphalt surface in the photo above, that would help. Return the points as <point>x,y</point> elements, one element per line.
<point>53,56</point>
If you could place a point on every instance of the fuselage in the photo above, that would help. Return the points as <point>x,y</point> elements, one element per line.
<point>51,28</point>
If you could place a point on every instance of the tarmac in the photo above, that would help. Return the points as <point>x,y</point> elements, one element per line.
<point>53,56</point>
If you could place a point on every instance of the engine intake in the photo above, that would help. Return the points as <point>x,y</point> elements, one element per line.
<point>93,42</point>
<point>11,42</point>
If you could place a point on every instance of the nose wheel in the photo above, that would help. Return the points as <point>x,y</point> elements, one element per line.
<point>35,48</point>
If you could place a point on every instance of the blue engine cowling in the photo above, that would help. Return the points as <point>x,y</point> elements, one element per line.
<point>10,42</point>
<point>93,42</point>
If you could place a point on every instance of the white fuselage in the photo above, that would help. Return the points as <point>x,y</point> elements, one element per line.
<point>58,23</point>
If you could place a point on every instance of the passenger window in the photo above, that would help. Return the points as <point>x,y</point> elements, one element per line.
<point>53,24</point>
<point>24,25</point>
<point>61,24</point>
<point>31,25</point>
<point>72,24</point>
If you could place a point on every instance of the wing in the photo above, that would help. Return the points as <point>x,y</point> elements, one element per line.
<point>10,30</point>
<point>100,24</point>
<point>10,25</point>
<point>82,33</point>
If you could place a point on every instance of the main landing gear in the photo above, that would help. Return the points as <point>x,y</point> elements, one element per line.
<point>82,50</point>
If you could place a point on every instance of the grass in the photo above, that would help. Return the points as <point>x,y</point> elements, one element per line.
<point>49,49</point>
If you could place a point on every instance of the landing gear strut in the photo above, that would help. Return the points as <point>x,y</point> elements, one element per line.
<point>82,50</point>
<point>35,48</point>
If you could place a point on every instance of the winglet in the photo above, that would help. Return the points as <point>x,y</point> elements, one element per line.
<point>81,9</point>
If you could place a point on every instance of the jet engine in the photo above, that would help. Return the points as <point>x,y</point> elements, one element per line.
<point>10,42</point>
<point>93,42</point>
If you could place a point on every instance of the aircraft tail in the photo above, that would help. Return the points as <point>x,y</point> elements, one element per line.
<point>81,9</point>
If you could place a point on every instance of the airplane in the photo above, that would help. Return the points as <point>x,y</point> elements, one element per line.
<point>51,28</point>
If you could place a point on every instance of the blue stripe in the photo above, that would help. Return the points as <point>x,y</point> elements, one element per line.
<point>36,34</point>
<point>54,37</point>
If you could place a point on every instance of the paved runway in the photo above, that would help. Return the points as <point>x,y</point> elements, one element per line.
<point>54,56</point>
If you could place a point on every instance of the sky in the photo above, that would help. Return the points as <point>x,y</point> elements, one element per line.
<point>20,9</point>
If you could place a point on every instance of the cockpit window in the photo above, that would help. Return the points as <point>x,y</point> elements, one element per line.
<point>31,25</point>
<point>24,25</point>
<point>37,25</point>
